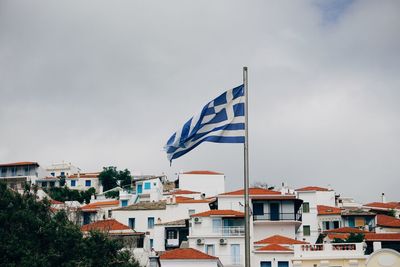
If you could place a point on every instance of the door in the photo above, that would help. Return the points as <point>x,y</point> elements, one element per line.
<point>258,208</point>
<point>274,211</point>
<point>217,224</point>
<point>235,254</point>
<point>210,250</point>
<point>139,188</point>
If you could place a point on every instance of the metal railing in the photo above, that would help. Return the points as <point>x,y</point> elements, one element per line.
<point>278,217</point>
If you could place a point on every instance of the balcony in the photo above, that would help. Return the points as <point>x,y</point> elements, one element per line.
<point>343,250</point>
<point>219,231</point>
<point>278,217</point>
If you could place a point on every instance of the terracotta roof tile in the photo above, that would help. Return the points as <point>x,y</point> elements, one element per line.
<point>100,204</point>
<point>55,202</point>
<point>186,254</point>
<point>382,237</point>
<point>183,200</point>
<point>339,236</point>
<point>252,191</point>
<point>105,225</point>
<point>278,239</point>
<point>204,172</point>
<point>221,213</point>
<point>387,221</point>
<point>346,230</point>
<point>327,210</point>
<point>183,192</point>
<point>275,247</point>
<point>387,205</point>
<point>84,175</point>
<point>312,188</point>
<point>21,163</point>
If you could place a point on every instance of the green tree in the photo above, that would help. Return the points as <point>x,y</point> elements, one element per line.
<point>108,178</point>
<point>125,178</point>
<point>352,238</point>
<point>66,194</point>
<point>31,235</point>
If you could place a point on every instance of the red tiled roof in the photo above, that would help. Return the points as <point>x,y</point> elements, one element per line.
<point>382,237</point>
<point>346,230</point>
<point>84,175</point>
<point>339,236</point>
<point>387,221</point>
<point>180,199</point>
<point>274,247</point>
<point>183,192</point>
<point>386,205</point>
<point>222,213</point>
<point>327,210</point>
<point>96,205</point>
<point>278,239</point>
<point>55,202</point>
<point>105,225</point>
<point>21,163</point>
<point>252,191</point>
<point>312,188</point>
<point>204,172</point>
<point>186,254</point>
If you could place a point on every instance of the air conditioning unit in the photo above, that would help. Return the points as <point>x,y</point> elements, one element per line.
<point>223,241</point>
<point>197,219</point>
<point>200,241</point>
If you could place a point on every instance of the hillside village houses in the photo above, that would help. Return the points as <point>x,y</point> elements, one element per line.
<point>187,222</point>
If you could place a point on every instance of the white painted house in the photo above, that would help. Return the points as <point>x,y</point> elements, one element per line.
<point>62,169</point>
<point>84,181</point>
<point>201,181</point>
<point>313,196</point>
<point>16,174</point>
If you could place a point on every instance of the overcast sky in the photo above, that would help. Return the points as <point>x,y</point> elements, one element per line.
<point>100,83</point>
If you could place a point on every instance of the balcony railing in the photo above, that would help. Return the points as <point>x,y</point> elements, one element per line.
<point>314,250</point>
<point>278,217</point>
<point>219,231</point>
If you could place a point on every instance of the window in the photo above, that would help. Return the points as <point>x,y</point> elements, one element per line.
<point>336,224</point>
<point>131,223</point>
<point>53,174</point>
<point>351,222</point>
<point>150,222</point>
<point>151,242</point>
<point>265,264</point>
<point>13,171</point>
<point>62,174</point>
<point>124,203</point>
<point>210,250</point>
<point>306,207</point>
<point>147,185</point>
<point>26,170</point>
<point>283,264</point>
<point>73,183</point>
<point>44,184</point>
<point>306,230</point>
<point>172,234</point>
<point>326,226</point>
<point>191,212</point>
<point>52,184</point>
<point>109,213</point>
<point>216,224</point>
<point>235,254</point>
<point>88,183</point>
<point>258,208</point>
<point>139,188</point>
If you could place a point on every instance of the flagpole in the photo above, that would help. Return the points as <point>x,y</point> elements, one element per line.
<point>246,172</point>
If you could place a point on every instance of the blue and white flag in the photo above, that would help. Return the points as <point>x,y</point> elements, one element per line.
<point>222,120</point>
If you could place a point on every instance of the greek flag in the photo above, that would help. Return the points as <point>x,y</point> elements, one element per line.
<point>222,120</point>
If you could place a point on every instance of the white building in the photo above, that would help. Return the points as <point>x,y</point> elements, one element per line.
<point>219,233</point>
<point>313,196</point>
<point>18,173</point>
<point>201,181</point>
<point>185,257</point>
<point>62,169</point>
<point>84,181</point>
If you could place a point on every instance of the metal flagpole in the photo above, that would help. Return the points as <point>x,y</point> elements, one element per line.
<point>246,172</point>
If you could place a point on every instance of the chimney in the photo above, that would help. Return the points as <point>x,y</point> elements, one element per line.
<point>383,198</point>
